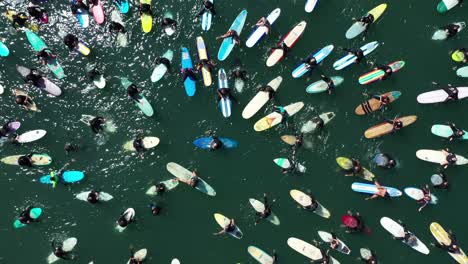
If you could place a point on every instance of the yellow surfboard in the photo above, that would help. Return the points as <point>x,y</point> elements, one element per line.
<point>378,11</point>
<point>146,20</point>
<point>443,237</point>
<point>203,55</point>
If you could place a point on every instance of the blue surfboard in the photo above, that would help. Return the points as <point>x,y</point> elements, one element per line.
<point>204,142</point>
<point>319,56</point>
<point>372,189</point>
<point>35,213</point>
<point>67,177</point>
<point>225,103</point>
<point>189,84</point>
<point>229,43</point>
<point>123,6</point>
<point>82,15</point>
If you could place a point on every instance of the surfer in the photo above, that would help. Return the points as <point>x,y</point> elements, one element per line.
<point>71,41</point>
<point>188,73</point>
<point>19,20</point>
<point>93,73</point>
<point>26,160</point>
<point>282,46</point>
<point>384,100</point>
<point>464,51</point>
<point>160,188</point>
<point>58,251</point>
<point>310,63</point>
<point>77,5</point>
<point>358,53</point>
<point>324,253</point>
<point>386,69</point>
<point>329,82</point>
<point>313,204</point>
<point>355,223</point>
<point>133,92</point>
<point>407,237</point>
<point>239,73</point>
<point>426,198</point>
<point>452,93</point>
<point>133,259</point>
<point>56,176</point>
<point>124,220</point>
<point>381,192</point>
<point>224,93</point>
<point>230,227</point>
<point>155,209</point>
<point>356,168</point>
<point>169,23</point>
<point>166,62</point>
<point>266,88</point>
<point>266,211</point>
<point>334,242</point>
<point>440,181</point>
<point>25,216</point>
<point>210,64</point>
<point>282,111</point>
<point>5,129</point>
<point>97,124</point>
<point>193,181</point>
<point>145,9</point>
<point>115,26</point>
<point>93,197</point>
<point>25,101</point>
<point>34,77</point>
<point>453,247</point>
<point>45,56</point>
<point>366,20</point>
<point>385,161</point>
<point>38,13</point>
<point>69,147</point>
<point>451,30</point>
<point>450,158</point>
<point>215,143</point>
<point>231,34</point>
<point>457,133</point>
<point>208,6</point>
<point>263,22</point>
<point>396,124</point>
<point>138,143</point>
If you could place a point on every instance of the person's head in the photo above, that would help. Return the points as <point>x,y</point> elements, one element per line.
<point>388,70</point>
<point>460,132</point>
<point>20,99</point>
<point>455,247</point>
<point>24,161</point>
<point>122,221</point>
<point>398,124</point>
<point>385,99</point>
<point>453,158</point>
<point>155,210</point>
<point>391,163</point>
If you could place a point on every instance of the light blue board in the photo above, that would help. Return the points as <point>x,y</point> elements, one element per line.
<point>319,55</point>
<point>67,177</point>
<point>204,142</point>
<point>225,104</point>
<point>4,51</point>
<point>229,43</point>
<point>372,189</point>
<point>83,16</point>
<point>123,6</point>
<point>35,213</point>
<point>189,84</point>
<point>349,58</point>
<point>207,18</point>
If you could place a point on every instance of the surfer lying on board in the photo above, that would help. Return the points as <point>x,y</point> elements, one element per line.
<point>282,111</point>
<point>366,20</point>
<point>329,82</point>
<point>230,227</point>
<point>397,124</point>
<point>188,73</point>
<point>453,247</point>
<point>225,93</point>
<point>231,34</point>
<point>97,124</point>
<point>450,158</point>
<point>77,5</point>
<point>93,197</point>
<point>205,62</point>
<point>24,100</point>
<point>164,61</point>
<point>384,100</point>
<point>208,6</point>
<point>358,53</point>
<point>169,23</point>
<point>263,22</point>
<point>407,236</point>
<point>133,92</point>
<point>25,216</point>
<point>426,198</point>
<point>370,259</point>
<point>45,56</point>
<point>267,212</point>
<point>56,176</point>
<point>58,251</point>
<point>451,30</point>
<point>25,160</point>
<point>193,181</point>
<point>381,192</point>
<point>265,88</point>
<point>324,253</point>
<point>457,133</point>
<point>386,69</point>
<point>356,168</point>
<point>310,63</point>
<point>440,181</point>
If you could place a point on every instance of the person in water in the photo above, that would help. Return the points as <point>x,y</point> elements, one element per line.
<point>193,181</point>
<point>453,248</point>
<point>266,212</point>
<point>116,27</point>
<point>230,227</point>
<point>313,204</point>
<point>384,100</point>
<point>71,41</point>
<point>58,251</point>
<point>452,93</point>
<point>93,197</point>
<point>388,161</point>
<point>231,34</point>
<point>263,22</point>
<point>216,143</point>
<point>396,124</point>
<point>169,23</point>
<point>33,77</point>
<point>366,20</point>
<point>208,6</point>
<point>329,82</point>
<point>356,168</point>
<point>97,124</point>
<point>25,101</point>
<point>188,73</point>
<point>155,209</point>
<point>224,93</point>
<point>407,236</point>
<point>56,176</point>
<point>5,130</point>
<point>124,219</point>
<point>450,158</point>
<point>457,133</point>
<point>381,192</point>
<point>93,73</point>
<point>426,198</point>
<point>359,226</point>
<point>266,88</point>
<point>282,46</point>
<point>45,56</point>
<point>310,63</point>
<point>358,53</point>
<point>25,216</point>
<point>19,20</point>
<point>38,13</point>
<point>133,92</point>
<point>372,259</point>
<point>26,160</point>
<point>440,181</point>
<point>145,9</point>
<point>132,259</point>
<point>451,30</point>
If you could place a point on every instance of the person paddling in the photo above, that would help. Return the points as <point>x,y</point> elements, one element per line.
<point>58,251</point>
<point>426,199</point>
<point>450,158</point>
<point>229,228</point>
<point>329,82</point>
<point>456,132</point>
<point>208,6</point>
<point>266,212</point>
<point>381,192</point>
<point>231,34</point>
<point>386,69</point>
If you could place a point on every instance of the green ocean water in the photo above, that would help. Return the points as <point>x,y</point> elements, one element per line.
<point>184,228</point>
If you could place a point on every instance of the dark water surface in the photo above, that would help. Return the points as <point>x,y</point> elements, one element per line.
<point>184,229</point>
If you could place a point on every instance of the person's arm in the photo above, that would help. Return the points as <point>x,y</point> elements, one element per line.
<point>219,233</point>
<point>372,197</point>
<point>424,205</point>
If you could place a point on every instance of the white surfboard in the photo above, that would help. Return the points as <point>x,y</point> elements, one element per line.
<point>310,5</point>
<point>148,142</point>
<point>259,207</point>
<point>304,248</point>
<point>398,231</point>
<point>439,96</point>
<point>259,32</point>
<point>140,255</point>
<point>175,261</point>
<point>437,156</point>
<point>31,136</point>
<point>260,99</point>
<point>327,237</point>
<point>418,194</point>
<point>67,246</point>
<point>102,196</point>
<point>130,214</point>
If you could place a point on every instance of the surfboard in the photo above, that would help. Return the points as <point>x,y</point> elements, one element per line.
<point>359,27</point>
<point>327,237</point>
<point>129,216</point>
<point>377,75</point>
<point>319,56</point>
<point>321,86</point>
<point>148,143</point>
<point>225,103</point>
<point>189,84</point>
<point>275,118</point>
<point>160,70</point>
<point>204,142</point>
<point>184,174</point>
<point>207,18</point>
<point>386,128</point>
<point>437,156</point>
<point>289,40</point>
<point>398,231</point>
<point>311,126</point>
<point>260,99</point>
<point>103,196</point>
<point>31,136</point>
<point>67,177</point>
<point>259,207</point>
<point>372,189</point>
<point>305,200</point>
<point>373,105</point>
<point>37,159</point>
<point>228,43</point>
<point>418,194</point>
<point>259,255</point>
<point>351,58</point>
<point>224,221</point>
<point>168,184</point>
<point>203,55</point>
<point>440,96</point>
<point>347,164</point>
<point>445,131</point>
<point>443,238</point>
<point>259,32</point>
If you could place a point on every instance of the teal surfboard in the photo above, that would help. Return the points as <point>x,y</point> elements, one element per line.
<point>35,213</point>
<point>4,51</point>
<point>67,177</point>
<point>143,103</point>
<point>189,84</point>
<point>228,43</point>
<point>38,44</point>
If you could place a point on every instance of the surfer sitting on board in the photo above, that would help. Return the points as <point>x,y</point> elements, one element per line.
<point>440,181</point>
<point>397,124</point>
<point>450,158</point>
<point>381,192</point>
<point>59,252</point>
<point>282,47</point>
<point>366,20</point>
<point>93,73</point>
<point>145,9</point>
<point>24,100</point>
<point>386,69</point>
<point>193,181</point>
<point>451,30</point>
<point>208,6</point>
<point>298,142</point>
<point>38,13</point>
<point>452,93</point>
<point>133,92</point>
<point>263,22</point>
<point>407,236</point>
<point>426,198</point>
<point>329,82</point>
<point>123,221</point>
<point>26,160</point>
<point>45,55</point>
<point>231,34</point>
<point>266,212</point>
<point>453,247</point>
<point>97,124</point>
<point>215,143</point>
<point>188,73</point>
<point>384,100</point>
<point>230,227</point>
<point>271,92</point>
<point>205,62</point>
<point>457,133</point>
<point>358,53</point>
<point>169,23</point>
<point>224,93</point>
<point>19,20</point>
<point>71,41</point>
<point>165,61</point>
<point>25,216</point>
<point>138,144</point>
<point>369,259</point>
<point>356,168</point>
<point>334,243</point>
<point>310,63</point>
<point>93,197</point>
<point>386,161</point>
